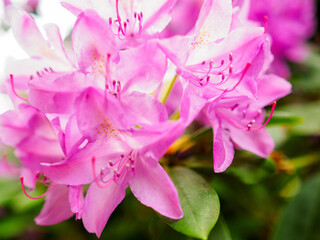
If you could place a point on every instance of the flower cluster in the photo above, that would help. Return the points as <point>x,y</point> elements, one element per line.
<point>93,116</point>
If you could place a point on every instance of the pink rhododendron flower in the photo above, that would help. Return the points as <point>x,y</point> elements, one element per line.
<point>129,161</point>
<point>130,20</point>
<point>233,71</point>
<point>36,142</point>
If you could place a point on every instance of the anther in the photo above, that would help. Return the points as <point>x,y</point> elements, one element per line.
<point>230,57</point>
<point>230,69</point>
<point>265,20</point>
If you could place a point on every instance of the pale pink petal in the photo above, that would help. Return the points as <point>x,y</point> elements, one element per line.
<point>105,8</point>
<point>152,187</point>
<point>56,92</point>
<point>157,14</point>
<point>28,35</point>
<point>99,205</point>
<point>93,41</point>
<point>143,109</point>
<point>56,207</point>
<point>141,69</point>
<point>214,20</point>
<point>55,40</point>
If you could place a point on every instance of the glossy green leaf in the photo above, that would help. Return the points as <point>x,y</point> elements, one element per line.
<point>200,204</point>
<point>300,219</point>
<point>220,231</point>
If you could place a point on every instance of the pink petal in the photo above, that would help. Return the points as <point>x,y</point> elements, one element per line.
<point>99,205</point>
<point>93,40</point>
<point>56,208</point>
<point>72,134</point>
<point>56,92</point>
<point>271,88</point>
<point>223,150</point>
<point>152,187</point>
<point>30,177</point>
<point>76,200</point>
<point>141,69</point>
<point>258,142</point>
<point>78,168</point>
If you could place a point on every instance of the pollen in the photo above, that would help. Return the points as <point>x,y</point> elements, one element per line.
<point>99,63</point>
<point>107,129</point>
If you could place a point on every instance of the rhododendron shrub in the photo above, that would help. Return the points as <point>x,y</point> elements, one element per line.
<point>104,110</point>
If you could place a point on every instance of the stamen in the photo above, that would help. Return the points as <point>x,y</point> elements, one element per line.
<point>119,19</point>
<point>41,196</point>
<point>140,17</point>
<point>241,78</point>
<point>14,91</point>
<point>274,104</point>
<point>95,175</point>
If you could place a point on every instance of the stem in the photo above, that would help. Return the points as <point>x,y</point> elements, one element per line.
<point>175,115</point>
<point>165,97</point>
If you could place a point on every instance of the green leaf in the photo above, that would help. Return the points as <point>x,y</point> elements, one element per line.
<point>284,118</point>
<point>220,231</point>
<point>199,202</point>
<point>300,219</point>
<point>310,112</point>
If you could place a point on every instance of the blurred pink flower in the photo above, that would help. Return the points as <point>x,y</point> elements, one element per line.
<point>290,23</point>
